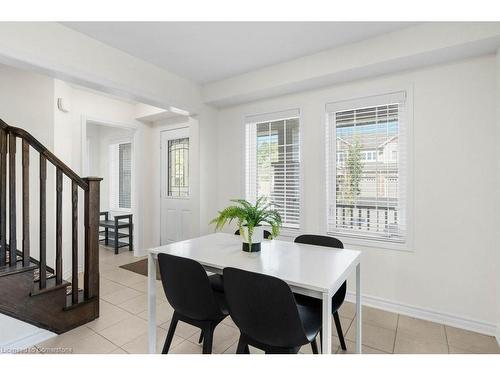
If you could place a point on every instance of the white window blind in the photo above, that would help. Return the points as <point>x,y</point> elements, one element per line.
<point>367,168</point>
<point>120,175</point>
<point>273,163</point>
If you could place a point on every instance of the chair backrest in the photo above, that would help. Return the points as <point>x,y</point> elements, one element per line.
<point>187,288</point>
<point>263,308</point>
<point>313,239</point>
<point>318,240</point>
<point>267,234</point>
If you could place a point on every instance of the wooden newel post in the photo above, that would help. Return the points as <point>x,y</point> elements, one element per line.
<point>91,275</point>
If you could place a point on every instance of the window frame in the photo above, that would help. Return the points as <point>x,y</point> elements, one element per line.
<point>360,101</point>
<point>271,116</point>
<point>114,199</point>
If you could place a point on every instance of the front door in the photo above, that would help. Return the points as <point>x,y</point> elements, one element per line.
<point>176,211</point>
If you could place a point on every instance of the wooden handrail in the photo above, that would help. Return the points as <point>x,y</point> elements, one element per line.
<point>33,142</point>
<point>90,186</point>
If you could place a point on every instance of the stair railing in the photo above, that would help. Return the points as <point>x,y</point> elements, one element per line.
<point>90,186</point>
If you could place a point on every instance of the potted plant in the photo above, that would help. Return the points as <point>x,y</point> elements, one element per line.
<point>250,218</point>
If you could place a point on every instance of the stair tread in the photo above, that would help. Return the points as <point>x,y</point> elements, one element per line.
<point>51,285</point>
<point>18,267</point>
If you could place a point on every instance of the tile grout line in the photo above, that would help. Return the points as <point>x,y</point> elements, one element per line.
<point>395,335</point>
<point>105,338</point>
<point>446,336</point>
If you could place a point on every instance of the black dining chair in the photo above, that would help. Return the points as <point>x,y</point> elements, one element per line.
<point>267,234</point>
<point>264,309</point>
<point>339,296</point>
<point>188,289</point>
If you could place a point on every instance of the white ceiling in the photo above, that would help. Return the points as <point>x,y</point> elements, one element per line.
<point>209,51</point>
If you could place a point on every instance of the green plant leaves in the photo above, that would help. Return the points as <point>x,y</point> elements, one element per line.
<point>247,214</point>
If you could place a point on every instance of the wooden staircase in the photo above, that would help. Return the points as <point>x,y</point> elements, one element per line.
<point>30,289</point>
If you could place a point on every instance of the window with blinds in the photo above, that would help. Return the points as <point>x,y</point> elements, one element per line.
<point>273,163</point>
<point>125,174</point>
<point>367,168</point>
<point>120,175</point>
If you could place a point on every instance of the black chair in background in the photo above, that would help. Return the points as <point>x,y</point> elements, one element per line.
<point>216,280</point>
<point>339,296</point>
<point>267,234</point>
<point>189,291</point>
<point>264,309</point>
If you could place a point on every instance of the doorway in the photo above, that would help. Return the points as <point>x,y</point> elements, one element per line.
<point>177,217</point>
<point>109,152</point>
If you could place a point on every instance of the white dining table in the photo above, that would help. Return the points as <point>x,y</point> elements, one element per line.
<point>315,271</point>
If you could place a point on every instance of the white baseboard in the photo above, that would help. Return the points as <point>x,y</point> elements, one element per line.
<point>497,336</point>
<point>425,314</point>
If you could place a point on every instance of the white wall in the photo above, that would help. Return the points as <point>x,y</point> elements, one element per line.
<point>207,121</point>
<point>497,251</point>
<point>413,47</point>
<point>450,268</point>
<point>63,53</point>
<point>27,101</point>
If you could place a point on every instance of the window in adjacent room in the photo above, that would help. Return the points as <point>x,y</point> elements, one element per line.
<point>120,172</point>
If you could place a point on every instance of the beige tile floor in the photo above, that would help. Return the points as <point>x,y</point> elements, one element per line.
<point>122,325</point>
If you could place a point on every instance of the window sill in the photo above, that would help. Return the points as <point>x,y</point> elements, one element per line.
<point>286,232</point>
<point>364,243</point>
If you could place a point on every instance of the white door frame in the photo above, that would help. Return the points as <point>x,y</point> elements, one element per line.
<point>194,170</point>
<point>135,193</point>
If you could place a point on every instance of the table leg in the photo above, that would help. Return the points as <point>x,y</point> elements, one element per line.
<point>326,344</point>
<point>358,308</point>
<point>152,302</point>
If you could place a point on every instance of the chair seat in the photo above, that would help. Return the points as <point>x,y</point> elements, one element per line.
<point>216,282</point>
<point>337,299</point>
<point>311,320</point>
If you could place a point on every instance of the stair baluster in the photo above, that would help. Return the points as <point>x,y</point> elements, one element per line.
<point>26,203</point>
<point>43,222</point>
<point>3,197</point>
<point>74,242</point>
<point>59,210</point>
<point>12,200</point>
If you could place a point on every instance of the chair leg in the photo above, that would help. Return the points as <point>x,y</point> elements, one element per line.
<point>201,337</point>
<point>208,335</point>
<point>170,335</point>
<point>116,240</point>
<point>314,346</point>
<point>339,330</point>
<point>242,347</point>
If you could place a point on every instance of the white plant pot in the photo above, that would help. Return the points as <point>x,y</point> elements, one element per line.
<point>255,240</point>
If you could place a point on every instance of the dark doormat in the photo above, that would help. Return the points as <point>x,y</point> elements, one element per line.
<point>141,267</point>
